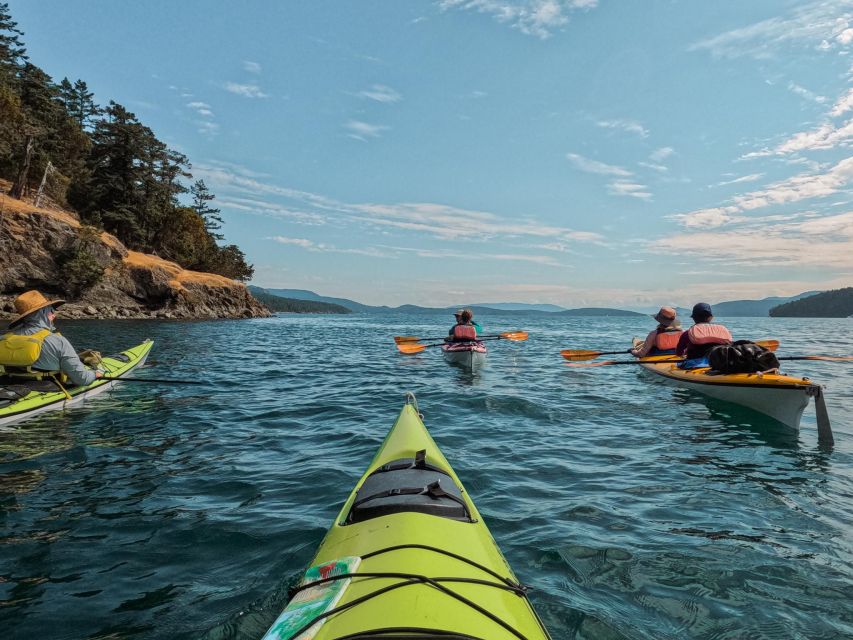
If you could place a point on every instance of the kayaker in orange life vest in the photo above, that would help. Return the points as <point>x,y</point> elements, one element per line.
<point>663,339</point>
<point>32,333</point>
<point>703,336</point>
<point>465,330</point>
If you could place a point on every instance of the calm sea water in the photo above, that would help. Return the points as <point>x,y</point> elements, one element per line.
<point>635,510</point>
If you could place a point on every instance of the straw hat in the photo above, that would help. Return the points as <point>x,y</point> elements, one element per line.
<point>666,316</point>
<point>30,302</point>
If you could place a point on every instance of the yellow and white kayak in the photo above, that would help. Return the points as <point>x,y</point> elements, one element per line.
<point>781,397</point>
<point>47,396</point>
<point>408,556</point>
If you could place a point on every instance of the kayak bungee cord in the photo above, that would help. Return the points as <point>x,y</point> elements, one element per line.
<point>421,634</point>
<point>411,579</point>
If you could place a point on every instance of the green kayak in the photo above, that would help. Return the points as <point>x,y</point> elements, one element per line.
<point>46,396</point>
<point>410,557</point>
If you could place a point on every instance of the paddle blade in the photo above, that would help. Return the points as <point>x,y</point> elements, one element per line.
<point>579,354</point>
<point>404,339</point>
<point>770,345</point>
<point>826,358</point>
<point>515,336</point>
<point>410,349</point>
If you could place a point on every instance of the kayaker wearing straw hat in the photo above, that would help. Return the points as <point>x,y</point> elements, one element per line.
<point>662,339</point>
<point>32,347</point>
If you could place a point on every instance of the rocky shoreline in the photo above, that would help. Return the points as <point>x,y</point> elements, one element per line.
<point>50,250</point>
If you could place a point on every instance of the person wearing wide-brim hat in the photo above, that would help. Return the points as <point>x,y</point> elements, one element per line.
<point>663,339</point>
<point>54,353</point>
<point>464,317</point>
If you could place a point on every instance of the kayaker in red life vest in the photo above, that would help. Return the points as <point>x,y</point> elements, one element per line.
<point>465,330</point>
<point>663,339</point>
<point>703,336</point>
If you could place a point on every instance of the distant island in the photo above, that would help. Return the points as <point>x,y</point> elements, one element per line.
<point>293,305</point>
<point>270,297</point>
<point>748,308</point>
<point>829,304</point>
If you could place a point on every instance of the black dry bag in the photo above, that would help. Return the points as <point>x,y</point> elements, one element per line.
<point>742,356</point>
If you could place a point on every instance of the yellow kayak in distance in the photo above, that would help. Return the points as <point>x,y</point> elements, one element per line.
<point>409,557</point>
<point>47,396</point>
<point>782,397</point>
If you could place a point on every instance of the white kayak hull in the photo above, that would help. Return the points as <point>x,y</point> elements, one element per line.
<point>467,357</point>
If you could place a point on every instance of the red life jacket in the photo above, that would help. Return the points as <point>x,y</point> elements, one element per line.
<point>667,339</point>
<point>462,332</point>
<point>707,333</point>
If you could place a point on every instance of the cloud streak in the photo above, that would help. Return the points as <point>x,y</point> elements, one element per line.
<point>245,90</point>
<point>381,93</point>
<point>539,18</point>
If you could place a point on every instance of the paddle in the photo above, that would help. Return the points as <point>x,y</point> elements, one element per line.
<point>508,335</point>
<point>154,380</point>
<point>586,354</point>
<point>676,360</point>
<point>408,348</point>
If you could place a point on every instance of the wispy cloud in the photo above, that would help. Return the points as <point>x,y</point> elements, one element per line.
<point>750,178</point>
<point>538,18</point>
<point>628,188</point>
<point>497,257</point>
<point>629,126</point>
<point>434,220</point>
<point>322,247</point>
<point>252,67</point>
<point>245,90</point>
<point>805,93</point>
<point>803,186</point>
<point>659,155</point>
<point>825,136</point>
<point>842,105</point>
<point>594,166</point>
<point>201,108</point>
<point>381,93</point>
<point>816,242</point>
<point>363,130</point>
<point>621,186</point>
<point>822,25</point>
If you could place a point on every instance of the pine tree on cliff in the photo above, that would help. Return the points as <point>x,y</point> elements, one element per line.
<point>79,102</point>
<point>211,216</point>
<point>13,53</point>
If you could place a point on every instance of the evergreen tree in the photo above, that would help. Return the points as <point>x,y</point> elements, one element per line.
<point>13,53</point>
<point>211,216</point>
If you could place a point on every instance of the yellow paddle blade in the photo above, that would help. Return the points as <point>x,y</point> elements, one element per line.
<point>579,354</point>
<point>516,336</point>
<point>410,349</point>
<point>403,339</point>
<point>770,345</point>
<point>591,364</point>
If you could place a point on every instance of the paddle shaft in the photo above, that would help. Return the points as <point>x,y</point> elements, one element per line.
<point>153,380</point>
<point>407,339</point>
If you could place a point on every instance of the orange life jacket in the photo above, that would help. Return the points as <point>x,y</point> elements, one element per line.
<point>463,332</point>
<point>707,333</point>
<point>667,339</point>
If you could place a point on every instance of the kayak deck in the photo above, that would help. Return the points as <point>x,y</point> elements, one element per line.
<point>427,566</point>
<point>469,354</point>
<point>38,402</point>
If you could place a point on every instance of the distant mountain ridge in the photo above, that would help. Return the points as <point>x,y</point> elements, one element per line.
<point>829,304</point>
<point>478,309</point>
<point>748,308</point>
<point>294,305</point>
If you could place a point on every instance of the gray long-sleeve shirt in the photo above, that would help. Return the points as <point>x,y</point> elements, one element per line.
<point>57,354</point>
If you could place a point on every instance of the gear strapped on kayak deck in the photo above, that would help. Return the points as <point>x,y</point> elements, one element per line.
<point>408,579</point>
<point>408,484</point>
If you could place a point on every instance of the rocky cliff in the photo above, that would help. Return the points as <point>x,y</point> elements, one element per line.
<point>48,249</point>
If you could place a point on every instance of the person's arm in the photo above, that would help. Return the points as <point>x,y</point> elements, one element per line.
<point>646,347</point>
<point>683,343</point>
<point>71,365</point>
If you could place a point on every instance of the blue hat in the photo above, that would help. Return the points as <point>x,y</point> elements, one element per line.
<point>701,310</point>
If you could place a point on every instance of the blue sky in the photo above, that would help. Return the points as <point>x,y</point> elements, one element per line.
<point>577,152</point>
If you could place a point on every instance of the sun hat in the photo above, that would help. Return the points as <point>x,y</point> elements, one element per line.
<point>458,312</point>
<point>701,310</point>
<point>666,316</point>
<point>30,302</point>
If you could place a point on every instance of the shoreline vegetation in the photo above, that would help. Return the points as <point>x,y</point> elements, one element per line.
<point>94,206</point>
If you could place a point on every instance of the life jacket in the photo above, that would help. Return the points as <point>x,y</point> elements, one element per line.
<point>463,332</point>
<point>19,353</point>
<point>707,333</point>
<point>667,339</point>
